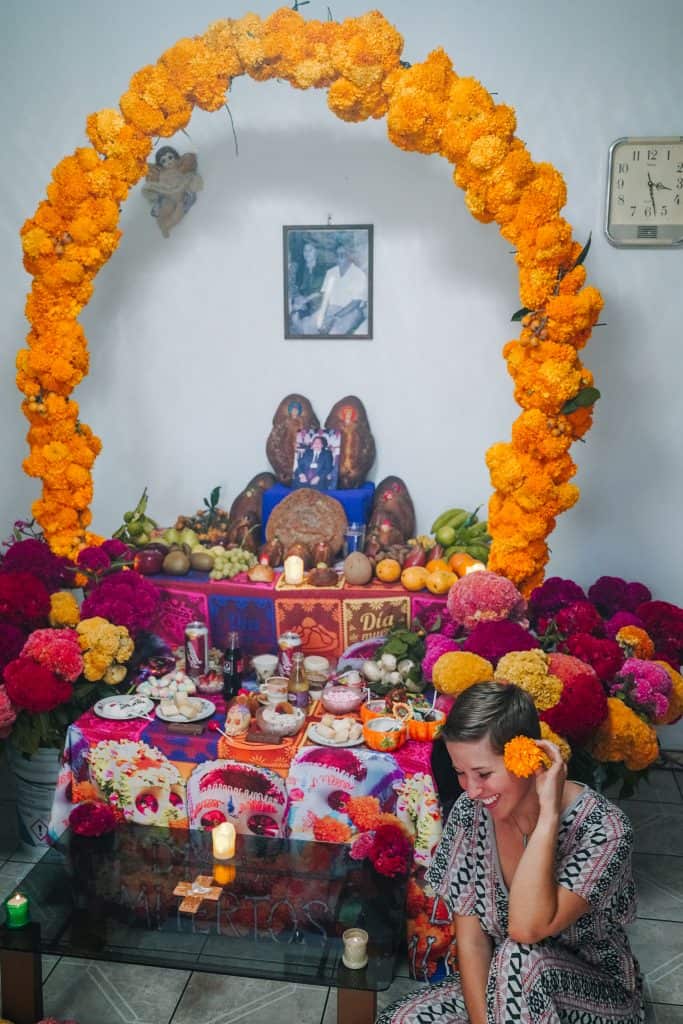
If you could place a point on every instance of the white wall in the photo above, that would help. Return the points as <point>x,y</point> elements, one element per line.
<point>186,334</point>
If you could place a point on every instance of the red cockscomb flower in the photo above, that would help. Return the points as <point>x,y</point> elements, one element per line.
<point>606,656</point>
<point>580,617</point>
<point>24,600</point>
<point>35,688</point>
<point>583,703</point>
<point>92,818</point>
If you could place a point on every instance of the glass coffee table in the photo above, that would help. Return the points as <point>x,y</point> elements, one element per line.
<point>155,896</point>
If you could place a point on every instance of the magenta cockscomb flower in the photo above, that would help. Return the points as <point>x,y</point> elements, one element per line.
<point>492,640</point>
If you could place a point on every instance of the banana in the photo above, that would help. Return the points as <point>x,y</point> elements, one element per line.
<point>477,528</point>
<point>453,550</point>
<point>457,519</point>
<point>446,516</point>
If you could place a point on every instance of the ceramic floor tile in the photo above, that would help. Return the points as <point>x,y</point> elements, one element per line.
<point>658,827</point>
<point>659,787</point>
<point>215,999</point>
<point>109,993</point>
<point>11,874</point>
<point>658,945</point>
<point>660,886</point>
<point>658,1013</point>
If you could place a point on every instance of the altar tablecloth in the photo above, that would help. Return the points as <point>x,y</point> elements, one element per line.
<point>328,619</point>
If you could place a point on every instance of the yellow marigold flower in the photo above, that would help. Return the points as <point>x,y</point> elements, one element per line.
<point>529,671</point>
<point>523,757</point>
<point>623,736</point>
<point>64,609</point>
<point>456,671</point>
<point>549,734</point>
<point>351,103</point>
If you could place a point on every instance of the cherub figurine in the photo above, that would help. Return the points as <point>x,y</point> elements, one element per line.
<point>172,186</point>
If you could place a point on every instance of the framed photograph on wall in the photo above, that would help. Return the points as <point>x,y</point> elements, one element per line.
<point>328,281</point>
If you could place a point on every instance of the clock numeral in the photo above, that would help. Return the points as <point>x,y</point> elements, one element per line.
<point>647,211</point>
<point>636,154</point>
<point>679,167</point>
<point>663,210</point>
<point>622,168</point>
<point>668,154</point>
<point>652,154</point>
<point>633,211</point>
<point>679,182</point>
<point>620,200</point>
<point>677,199</point>
<point>620,182</point>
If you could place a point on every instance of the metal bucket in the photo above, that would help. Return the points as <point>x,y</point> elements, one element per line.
<point>36,780</point>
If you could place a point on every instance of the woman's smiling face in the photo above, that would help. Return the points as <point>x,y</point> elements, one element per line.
<point>482,774</point>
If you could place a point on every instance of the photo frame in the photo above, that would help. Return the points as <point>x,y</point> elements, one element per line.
<point>328,279</point>
<point>316,459</point>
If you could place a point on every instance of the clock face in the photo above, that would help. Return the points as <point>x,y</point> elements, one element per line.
<point>645,192</point>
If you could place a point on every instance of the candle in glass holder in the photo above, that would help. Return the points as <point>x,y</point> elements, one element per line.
<point>223,840</point>
<point>294,570</point>
<point>224,874</point>
<point>355,953</point>
<point>17,908</point>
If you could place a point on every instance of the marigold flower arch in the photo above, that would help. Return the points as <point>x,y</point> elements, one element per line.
<point>428,108</point>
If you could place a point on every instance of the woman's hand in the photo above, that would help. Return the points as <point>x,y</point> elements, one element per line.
<point>550,781</point>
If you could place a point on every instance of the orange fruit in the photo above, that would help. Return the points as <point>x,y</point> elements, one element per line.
<point>414,577</point>
<point>388,570</point>
<point>436,564</point>
<point>459,562</point>
<point>441,581</point>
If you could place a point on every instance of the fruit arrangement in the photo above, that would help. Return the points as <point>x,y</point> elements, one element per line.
<point>228,562</point>
<point>211,524</point>
<point>137,526</point>
<point>458,531</point>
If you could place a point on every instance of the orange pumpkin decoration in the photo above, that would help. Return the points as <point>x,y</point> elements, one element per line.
<point>414,577</point>
<point>388,570</point>
<point>437,564</point>
<point>459,562</point>
<point>441,581</point>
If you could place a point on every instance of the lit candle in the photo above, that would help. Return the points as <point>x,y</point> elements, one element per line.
<point>223,839</point>
<point>355,953</point>
<point>294,570</point>
<point>224,874</point>
<point>17,907</point>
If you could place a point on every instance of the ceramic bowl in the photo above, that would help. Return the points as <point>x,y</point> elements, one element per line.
<point>372,709</point>
<point>385,733</point>
<point>429,730</point>
<point>288,724</point>
<point>265,665</point>
<point>340,700</point>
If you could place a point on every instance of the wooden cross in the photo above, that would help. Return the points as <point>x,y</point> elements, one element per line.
<point>196,892</point>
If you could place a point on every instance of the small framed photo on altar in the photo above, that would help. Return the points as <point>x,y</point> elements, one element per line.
<point>316,459</point>
<point>328,281</point>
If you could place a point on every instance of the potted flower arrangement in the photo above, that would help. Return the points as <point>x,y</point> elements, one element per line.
<point>602,666</point>
<point>58,657</point>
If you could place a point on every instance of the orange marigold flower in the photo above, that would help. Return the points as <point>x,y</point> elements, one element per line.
<point>329,830</point>
<point>635,642</point>
<point>522,757</point>
<point>623,736</point>
<point>560,742</point>
<point>675,709</point>
<point>364,812</point>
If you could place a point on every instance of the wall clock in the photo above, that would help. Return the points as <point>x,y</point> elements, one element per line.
<point>645,192</point>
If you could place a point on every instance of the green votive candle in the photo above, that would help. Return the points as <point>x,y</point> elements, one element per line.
<point>17,908</point>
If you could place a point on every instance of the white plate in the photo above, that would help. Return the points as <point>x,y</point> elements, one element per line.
<point>120,708</point>
<point>206,710</point>
<point>324,742</point>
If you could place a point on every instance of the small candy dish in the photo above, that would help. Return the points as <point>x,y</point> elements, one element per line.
<point>281,723</point>
<point>384,733</point>
<point>340,700</point>
<point>372,709</point>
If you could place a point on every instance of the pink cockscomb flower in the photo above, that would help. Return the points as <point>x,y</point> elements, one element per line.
<point>56,649</point>
<point>643,686</point>
<point>484,597</point>
<point>436,644</point>
<point>619,620</point>
<point>125,598</point>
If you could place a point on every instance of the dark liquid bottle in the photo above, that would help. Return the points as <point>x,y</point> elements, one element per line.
<point>232,666</point>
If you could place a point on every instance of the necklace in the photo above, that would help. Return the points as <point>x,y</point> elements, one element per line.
<point>524,835</point>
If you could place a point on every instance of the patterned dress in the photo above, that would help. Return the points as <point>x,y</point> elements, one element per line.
<point>586,974</point>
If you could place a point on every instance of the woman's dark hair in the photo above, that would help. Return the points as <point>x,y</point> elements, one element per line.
<point>500,711</point>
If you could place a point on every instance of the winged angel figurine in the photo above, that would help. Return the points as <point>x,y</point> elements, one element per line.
<point>172,183</point>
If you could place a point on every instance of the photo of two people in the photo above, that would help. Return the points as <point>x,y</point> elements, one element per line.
<point>316,459</point>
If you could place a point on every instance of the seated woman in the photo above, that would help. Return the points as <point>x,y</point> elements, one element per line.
<point>537,873</point>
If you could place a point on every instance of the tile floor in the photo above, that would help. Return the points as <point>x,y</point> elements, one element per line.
<point>95,993</point>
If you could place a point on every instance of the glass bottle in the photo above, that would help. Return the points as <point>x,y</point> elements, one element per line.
<point>232,666</point>
<point>298,682</point>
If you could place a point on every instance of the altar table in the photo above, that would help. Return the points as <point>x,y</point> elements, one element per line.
<point>328,619</point>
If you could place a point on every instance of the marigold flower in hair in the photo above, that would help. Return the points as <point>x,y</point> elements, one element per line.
<point>523,757</point>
